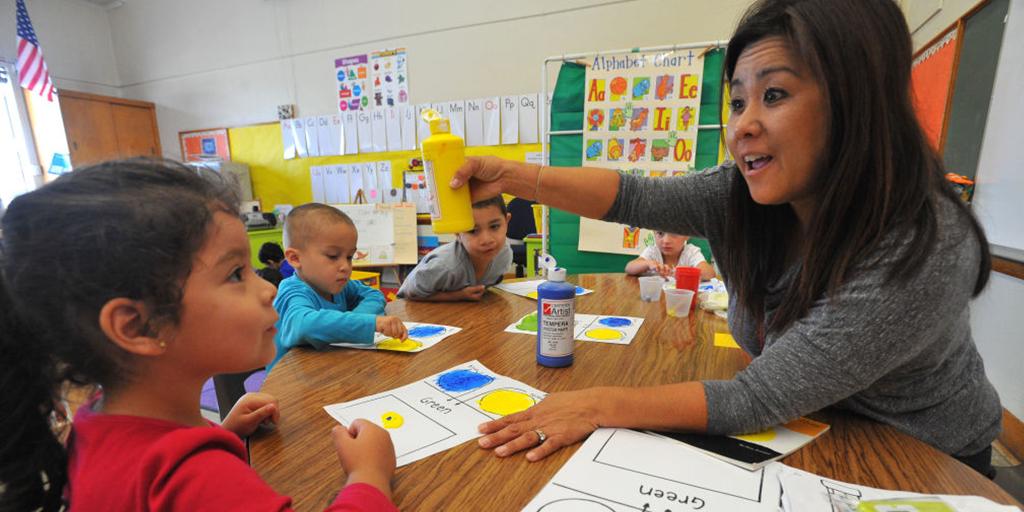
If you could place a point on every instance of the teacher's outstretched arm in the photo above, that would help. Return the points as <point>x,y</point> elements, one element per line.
<point>585,191</point>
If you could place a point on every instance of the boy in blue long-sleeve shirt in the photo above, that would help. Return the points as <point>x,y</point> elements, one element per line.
<point>319,305</point>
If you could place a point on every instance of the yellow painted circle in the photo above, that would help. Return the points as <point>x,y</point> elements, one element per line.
<point>532,295</point>
<point>603,333</point>
<point>391,420</point>
<point>407,345</point>
<point>506,401</point>
<point>759,437</point>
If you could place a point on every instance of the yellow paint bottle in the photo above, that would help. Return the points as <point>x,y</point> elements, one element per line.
<point>451,211</point>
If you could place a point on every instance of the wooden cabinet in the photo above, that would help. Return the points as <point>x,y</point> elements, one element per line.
<point>102,128</point>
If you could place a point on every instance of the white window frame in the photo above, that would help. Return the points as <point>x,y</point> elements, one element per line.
<point>24,144</point>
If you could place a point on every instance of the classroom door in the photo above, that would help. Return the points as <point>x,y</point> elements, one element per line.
<point>101,128</point>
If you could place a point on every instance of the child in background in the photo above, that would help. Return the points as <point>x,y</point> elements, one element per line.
<point>164,297</point>
<point>320,305</point>
<point>462,269</point>
<point>670,251</point>
<point>272,256</point>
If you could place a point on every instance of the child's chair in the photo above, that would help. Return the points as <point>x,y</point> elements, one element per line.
<point>519,226</point>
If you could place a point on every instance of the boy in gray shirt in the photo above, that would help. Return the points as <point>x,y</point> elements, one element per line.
<point>460,271</point>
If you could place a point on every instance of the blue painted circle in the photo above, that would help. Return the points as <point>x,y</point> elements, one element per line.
<point>615,321</point>
<point>425,331</point>
<point>463,380</point>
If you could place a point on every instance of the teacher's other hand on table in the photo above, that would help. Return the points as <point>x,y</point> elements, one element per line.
<point>559,420</point>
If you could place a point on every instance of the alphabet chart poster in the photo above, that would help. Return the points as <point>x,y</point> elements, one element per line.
<point>640,117</point>
<point>421,337</point>
<point>353,77</point>
<point>440,411</point>
<point>619,470</point>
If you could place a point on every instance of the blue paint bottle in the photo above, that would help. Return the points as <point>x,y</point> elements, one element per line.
<point>556,319</point>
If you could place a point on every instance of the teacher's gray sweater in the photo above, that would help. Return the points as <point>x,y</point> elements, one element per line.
<point>899,352</point>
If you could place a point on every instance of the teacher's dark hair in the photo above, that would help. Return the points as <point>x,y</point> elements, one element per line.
<point>118,229</point>
<point>878,174</point>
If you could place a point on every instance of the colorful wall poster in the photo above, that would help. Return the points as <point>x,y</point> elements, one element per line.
<point>197,146</point>
<point>389,69</point>
<point>353,77</point>
<point>640,117</point>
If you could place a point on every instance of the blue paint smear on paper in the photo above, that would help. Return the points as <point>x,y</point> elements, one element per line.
<point>580,289</point>
<point>425,331</point>
<point>463,380</point>
<point>615,321</point>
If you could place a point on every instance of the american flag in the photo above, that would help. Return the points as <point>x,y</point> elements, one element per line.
<point>31,67</point>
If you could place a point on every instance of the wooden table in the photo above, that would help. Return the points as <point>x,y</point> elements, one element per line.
<point>298,458</point>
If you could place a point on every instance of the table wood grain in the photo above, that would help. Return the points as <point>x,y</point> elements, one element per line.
<point>298,459</point>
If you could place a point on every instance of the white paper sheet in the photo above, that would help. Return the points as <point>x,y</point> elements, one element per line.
<point>389,192</point>
<point>350,129</point>
<point>316,180</point>
<point>422,127</point>
<point>312,136</point>
<point>619,470</point>
<point>379,129</point>
<point>510,119</point>
<point>365,132</point>
<point>330,173</point>
<point>528,289</point>
<point>441,411</point>
<point>393,126</point>
<point>288,139</point>
<point>474,122</point>
<point>356,190</point>
<point>340,185</point>
<point>457,118</point>
<point>421,337</point>
<point>528,126</point>
<point>299,125</point>
<point>408,114</point>
<point>371,186</point>
<point>492,121</point>
<point>616,330</point>
<point>807,492</point>
<point>329,133</point>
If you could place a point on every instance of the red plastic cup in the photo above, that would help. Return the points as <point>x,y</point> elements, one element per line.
<point>688,278</point>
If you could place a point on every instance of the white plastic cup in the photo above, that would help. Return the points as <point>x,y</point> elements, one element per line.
<point>677,302</point>
<point>650,288</point>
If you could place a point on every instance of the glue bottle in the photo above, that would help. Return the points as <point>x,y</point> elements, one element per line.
<point>556,317</point>
<point>451,211</point>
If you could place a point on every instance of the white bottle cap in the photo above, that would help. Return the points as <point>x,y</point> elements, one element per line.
<point>556,274</point>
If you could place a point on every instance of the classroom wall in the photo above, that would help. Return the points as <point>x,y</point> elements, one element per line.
<point>950,11</point>
<point>75,37</point>
<point>236,62</point>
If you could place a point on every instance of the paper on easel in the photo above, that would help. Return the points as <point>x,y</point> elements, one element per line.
<point>365,132</point>
<point>288,139</point>
<point>510,119</point>
<point>474,122</point>
<point>316,179</point>
<point>408,113</point>
<point>299,126</point>
<point>422,128</point>
<point>492,121</point>
<point>350,128</point>
<point>393,125</point>
<point>528,126</point>
<point>329,134</point>
<point>378,125</point>
<point>312,136</point>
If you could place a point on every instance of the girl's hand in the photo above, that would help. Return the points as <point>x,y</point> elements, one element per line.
<point>473,293</point>
<point>564,418</point>
<point>250,411</point>
<point>484,175</point>
<point>664,270</point>
<point>392,326</point>
<point>366,454</point>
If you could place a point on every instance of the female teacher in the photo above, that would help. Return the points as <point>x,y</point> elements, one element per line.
<point>849,261</point>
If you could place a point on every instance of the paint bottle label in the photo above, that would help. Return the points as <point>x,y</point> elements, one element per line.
<point>556,327</point>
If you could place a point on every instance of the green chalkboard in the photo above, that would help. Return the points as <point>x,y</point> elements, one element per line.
<point>972,89</point>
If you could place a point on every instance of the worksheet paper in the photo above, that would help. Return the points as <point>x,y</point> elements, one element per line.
<point>619,470</point>
<point>441,411</point>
